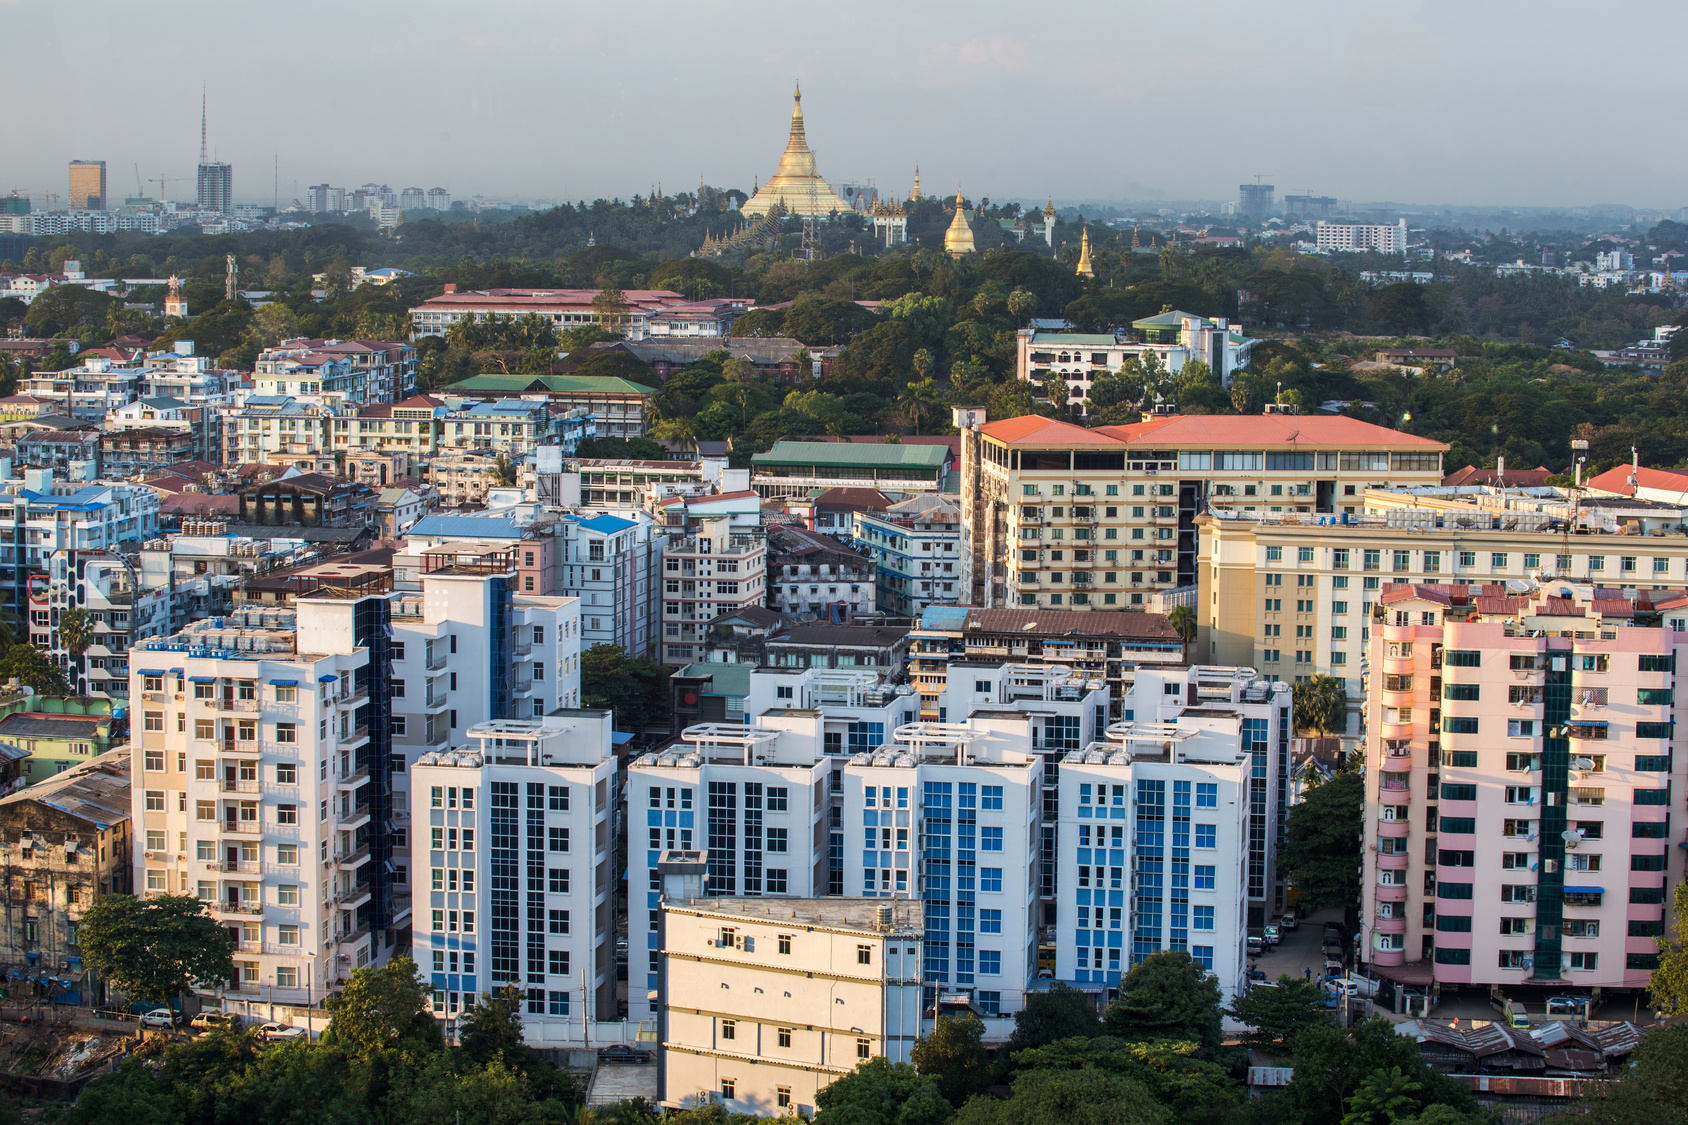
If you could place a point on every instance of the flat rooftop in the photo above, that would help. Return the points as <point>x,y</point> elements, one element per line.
<point>838,913</point>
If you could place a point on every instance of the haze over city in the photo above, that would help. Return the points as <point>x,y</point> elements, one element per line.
<point>1425,102</point>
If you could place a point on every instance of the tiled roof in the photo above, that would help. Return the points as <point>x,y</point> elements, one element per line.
<point>1096,623</point>
<point>1616,481</point>
<point>1195,430</point>
<point>41,724</point>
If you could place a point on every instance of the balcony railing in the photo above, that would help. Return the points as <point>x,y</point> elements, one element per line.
<point>247,866</point>
<point>352,858</point>
<point>226,907</point>
<point>241,827</point>
<point>437,660</point>
<point>239,786</point>
<point>354,779</point>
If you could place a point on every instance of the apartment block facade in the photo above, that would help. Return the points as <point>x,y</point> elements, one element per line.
<point>1061,516</point>
<point>915,546</point>
<point>1293,597</point>
<point>260,784</point>
<point>1521,779</point>
<point>718,568</point>
<point>517,862</point>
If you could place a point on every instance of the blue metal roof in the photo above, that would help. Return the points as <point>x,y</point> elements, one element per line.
<point>943,617</point>
<point>467,527</point>
<point>607,525</point>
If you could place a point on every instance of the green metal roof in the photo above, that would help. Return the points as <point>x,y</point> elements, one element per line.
<point>555,384</point>
<point>849,453</point>
<point>1074,340</point>
<point>730,679</point>
<point>1172,319</point>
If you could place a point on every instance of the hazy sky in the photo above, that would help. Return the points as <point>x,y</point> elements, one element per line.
<point>1524,102</point>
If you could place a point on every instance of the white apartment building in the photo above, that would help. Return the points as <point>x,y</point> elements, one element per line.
<point>916,548</point>
<point>1521,766</point>
<point>764,1004</point>
<point>560,308</point>
<point>755,798</point>
<point>951,813</point>
<point>716,568</point>
<point>47,516</point>
<point>517,860</point>
<point>1168,829</point>
<point>610,563</point>
<point>1379,237</point>
<point>260,785</point>
<point>120,613</point>
<point>267,426</point>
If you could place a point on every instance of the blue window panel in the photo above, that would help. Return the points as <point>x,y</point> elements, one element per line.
<point>1202,917</point>
<point>990,879</point>
<point>1207,795</point>
<point>1203,955</point>
<point>1207,836</point>
<point>990,839</point>
<point>653,819</point>
<point>686,819</point>
<point>990,963</point>
<point>990,921</point>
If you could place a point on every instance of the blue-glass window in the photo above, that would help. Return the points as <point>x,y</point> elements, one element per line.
<point>990,921</point>
<point>990,839</point>
<point>990,879</point>
<point>1201,917</point>
<point>1203,955</point>
<point>990,796</point>
<point>990,963</point>
<point>1207,836</point>
<point>990,1003</point>
<point>1207,795</point>
<point>1204,877</point>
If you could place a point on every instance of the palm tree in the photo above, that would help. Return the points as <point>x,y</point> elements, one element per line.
<point>1183,619</point>
<point>677,430</point>
<point>76,630</point>
<point>919,398</point>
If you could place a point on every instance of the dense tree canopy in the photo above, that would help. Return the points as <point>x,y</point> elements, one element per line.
<point>1321,848</point>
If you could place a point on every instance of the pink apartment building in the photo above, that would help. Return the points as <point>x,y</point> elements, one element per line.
<point>1521,776</point>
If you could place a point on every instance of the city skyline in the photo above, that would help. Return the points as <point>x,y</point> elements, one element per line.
<point>955,100</point>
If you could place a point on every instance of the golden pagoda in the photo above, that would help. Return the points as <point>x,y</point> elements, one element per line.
<point>958,240</point>
<point>1084,267</point>
<point>796,184</point>
<point>914,195</point>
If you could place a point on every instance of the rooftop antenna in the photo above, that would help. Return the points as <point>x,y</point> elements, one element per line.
<point>202,122</point>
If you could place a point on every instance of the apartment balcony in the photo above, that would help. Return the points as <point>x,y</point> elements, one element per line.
<point>1398,731</point>
<point>438,660</point>
<point>240,827</point>
<point>352,897</point>
<point>354,779</point>
<point>244,866</point>
<point>241,746</point>
<point>1392,862</point>
<point>226,907</point>
<point>1394,829</point>
<point>356,818</point>
<point>355,734</point>
<point>1390,925</point>
<point>245,705</point>
<point>238,786</point>
<point>355,858</point>
<point>523,684</point>
<point>434,699</point>
<point>522,648</point>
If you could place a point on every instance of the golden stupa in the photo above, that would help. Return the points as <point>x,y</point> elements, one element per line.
<point>796,184</point>
<point>1084,267</point>
<point>958,240</point>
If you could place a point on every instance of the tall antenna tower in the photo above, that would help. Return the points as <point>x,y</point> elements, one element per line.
<point>811,247</point>
<point>202,159</point>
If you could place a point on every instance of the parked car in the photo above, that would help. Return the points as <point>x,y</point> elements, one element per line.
<point>1256,944</point>
<point>1566,1005</point>
<point>622,1053</point>
<point>204,1021</point>
<point>279,1032</point>
<point>1333,964</point>
<point>1258,974</point>
<point>1271,934</point>
<point>1289,921</point>
<point>1354,986</point>
<point>159,1017</point>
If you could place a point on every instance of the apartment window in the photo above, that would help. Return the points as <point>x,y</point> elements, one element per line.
<point>864,954</point>
<point>729,1029</point>
<point>1584,962</point>
<point>286,732</point>
<point>729,1089</point>
<point>558,840</point>
<point>784,1038</point>
<point>1205,877</point>
<point>864,1047</point>
<point>287,935</point>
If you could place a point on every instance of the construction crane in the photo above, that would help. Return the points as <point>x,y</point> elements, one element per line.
<point>164,183</point>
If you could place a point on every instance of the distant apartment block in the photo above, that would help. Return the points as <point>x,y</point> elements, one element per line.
<point>1378,237</point>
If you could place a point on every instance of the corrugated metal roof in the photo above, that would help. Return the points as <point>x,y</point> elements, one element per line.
<point>468,527</point>
<point>840,453</point>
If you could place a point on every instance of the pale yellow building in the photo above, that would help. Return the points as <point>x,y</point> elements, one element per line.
<point>1293,597</point>
<point>1058,515</point>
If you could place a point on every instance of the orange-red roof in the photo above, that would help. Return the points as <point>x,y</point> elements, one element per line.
<point>1196,430</point>
<point>1038,430</point>
<point>1616,481</point>
<point>1264,429</point>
